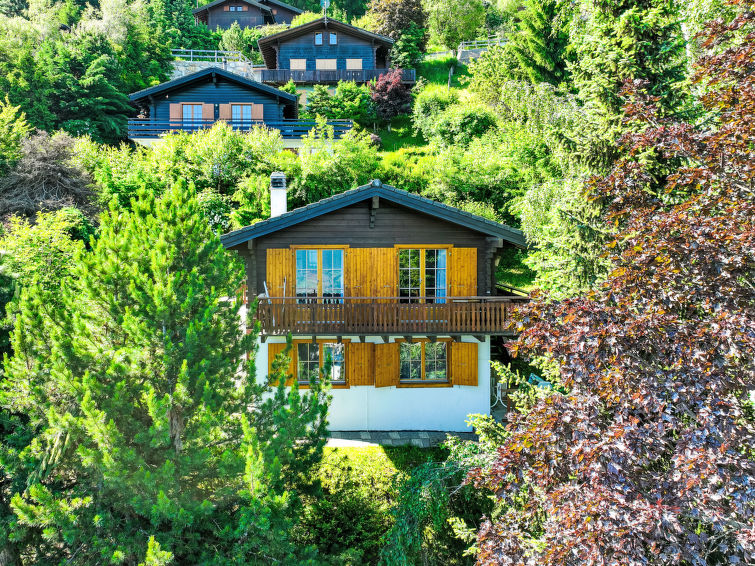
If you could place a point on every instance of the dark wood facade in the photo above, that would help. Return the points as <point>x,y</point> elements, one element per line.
<point>223,13</point>
<point>325,50</point>
<point>199,100</point>
<point>372,231</point>
<point>282,13</point>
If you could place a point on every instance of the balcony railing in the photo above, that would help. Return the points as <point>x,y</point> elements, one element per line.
<point>282,76</point>
<point>384,315</point>
<point>289,129</point>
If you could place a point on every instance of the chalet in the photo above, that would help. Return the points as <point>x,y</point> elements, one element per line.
<point>325,51</point>
<point>398,290</point>
<point>247,13</point>
<point>198,100</point>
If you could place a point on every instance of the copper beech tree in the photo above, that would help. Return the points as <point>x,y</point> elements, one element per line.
<point>649,458</point>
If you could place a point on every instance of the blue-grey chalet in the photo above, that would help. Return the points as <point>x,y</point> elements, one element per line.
<point>201,99</point>
<point>247,13</point>
<point>326,51</point>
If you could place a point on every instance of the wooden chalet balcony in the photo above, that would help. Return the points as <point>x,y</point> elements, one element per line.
<point>282,76</point>
<point>385,315</point>
<point>289,129</point>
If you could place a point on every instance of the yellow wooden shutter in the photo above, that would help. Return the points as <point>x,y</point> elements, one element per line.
<point>273,350</point>
<point>359,272</point>
<point>258,111</point>
<point>360,364</point>
<point>280,277</point>
<point>462,276</point>
<point>463,363</point>
<point>385,272</point>
<point>175,112</point>
<point>208,111</point>
<point>225,112</point>
<point>386,365</point>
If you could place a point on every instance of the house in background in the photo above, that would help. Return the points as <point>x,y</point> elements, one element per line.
<point>247,13</point>
<point>397,290</point>
<point>326,51</point>
<point>199,100</point>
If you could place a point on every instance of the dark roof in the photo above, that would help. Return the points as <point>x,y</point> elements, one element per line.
<point>265,44</point>
<point>391,194</point>
<point>181,81</point>
<point>286,6</point>
<point>217,2</point>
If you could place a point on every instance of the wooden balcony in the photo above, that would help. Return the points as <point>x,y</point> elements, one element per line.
<point>289,129</point>
<point>384,315</point>
<point>282,76</point>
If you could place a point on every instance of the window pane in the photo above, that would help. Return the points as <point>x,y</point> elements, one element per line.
<point>411,361</point>
<point>333,39</point>
<point>306,273</point>
<point>436,362</point>
<point>318,39</point>
<point>308,367</point>
<point>435,275</point>
<point>335,353</point>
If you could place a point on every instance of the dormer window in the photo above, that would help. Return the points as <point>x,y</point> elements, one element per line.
<point>318,38</point>
<point>333,38</point>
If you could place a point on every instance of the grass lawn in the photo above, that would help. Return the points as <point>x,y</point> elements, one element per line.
<point>401,135</point>
<point>512,270</point>
<point>435,71</point>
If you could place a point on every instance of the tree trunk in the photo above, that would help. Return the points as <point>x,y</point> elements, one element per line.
<point>9,556</point>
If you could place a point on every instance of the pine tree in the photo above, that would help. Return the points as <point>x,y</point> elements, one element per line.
<point>540,43</point>
<point>135,386</point>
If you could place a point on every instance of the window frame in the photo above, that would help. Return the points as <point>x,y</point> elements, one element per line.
<point>192,120</point>
<point>319,34</point>
<point>332,38</point>
<point>242,105</point>
<point>321,344</point>
<point>423,381</point>
<point>423,271</point>
<point>320,271</point>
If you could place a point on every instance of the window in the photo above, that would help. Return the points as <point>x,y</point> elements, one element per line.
<point>325,64</point>
<point>297,64</point>
<point>311,358</point>
<point>422,273</point>
<point>236,9</point>
<point>318,38</point>
<point>241,113</point>
<point>319,273</point>
<point>192,113</point>
<point>333,38</point>
<point>353,64</point>
<point>424,361</point>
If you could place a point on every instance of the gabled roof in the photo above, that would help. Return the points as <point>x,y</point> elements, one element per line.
<point>266,44</point>
<point>217,2</point>
<point>294,9</point>
<point>212,71</point>
<point>391,194</point>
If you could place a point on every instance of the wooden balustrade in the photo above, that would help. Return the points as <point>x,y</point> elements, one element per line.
<point>282,76</point>
<point>289,129</point>
<point>382,316</point>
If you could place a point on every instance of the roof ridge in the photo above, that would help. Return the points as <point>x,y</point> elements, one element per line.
<point>476,222</point>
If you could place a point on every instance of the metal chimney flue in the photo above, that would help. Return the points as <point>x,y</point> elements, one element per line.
<point>278,192</point>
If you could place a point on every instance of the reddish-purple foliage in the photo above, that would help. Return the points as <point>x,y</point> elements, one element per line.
<point>650,457</point>
<point>390,95</point>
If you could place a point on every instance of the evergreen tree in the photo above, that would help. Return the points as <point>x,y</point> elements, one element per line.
<point>540,43</point>
<point>145,418</point>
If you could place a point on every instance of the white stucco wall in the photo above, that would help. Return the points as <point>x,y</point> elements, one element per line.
<point>402,408</point>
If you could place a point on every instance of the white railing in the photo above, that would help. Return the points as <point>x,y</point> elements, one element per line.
<point>210,55</point>
<point>482,43</point>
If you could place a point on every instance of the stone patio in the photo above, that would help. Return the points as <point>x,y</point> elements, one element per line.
<point>420,438</point>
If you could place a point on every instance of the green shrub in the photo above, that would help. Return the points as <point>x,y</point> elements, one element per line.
<point>349,515</point>
<point>461,123</point>
<point>410,169</point>
<point>428,105</point>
